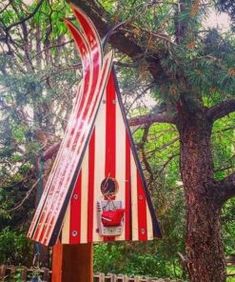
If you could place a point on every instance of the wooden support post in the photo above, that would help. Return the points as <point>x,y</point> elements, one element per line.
<point>72,263</point>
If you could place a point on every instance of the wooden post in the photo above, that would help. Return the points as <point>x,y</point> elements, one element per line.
<point>46,274</point>
<point>72,263</point>
<point>24,271</point>
<point>3,269</point>
<point>101,278</point>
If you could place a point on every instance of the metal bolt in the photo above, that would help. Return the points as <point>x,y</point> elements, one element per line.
<point>75,196</point>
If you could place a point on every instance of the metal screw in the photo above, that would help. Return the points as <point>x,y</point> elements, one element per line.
<point>74,233</point>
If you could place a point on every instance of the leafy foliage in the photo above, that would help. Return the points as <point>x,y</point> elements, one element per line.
<point>223,140</point>
<point>135,259</point>
<point>14,248</point>
<point>229,227</point>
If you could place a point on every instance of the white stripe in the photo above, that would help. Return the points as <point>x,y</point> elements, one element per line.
<point>84,198</point>
<point>66,227</point>
<point>134,202</point>
<point>149,224</point>
<point>120,160</point>
<point>99,173</point>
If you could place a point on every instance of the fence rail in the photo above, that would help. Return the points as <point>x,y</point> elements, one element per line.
<point>101,277</point>
<point>25,274</point>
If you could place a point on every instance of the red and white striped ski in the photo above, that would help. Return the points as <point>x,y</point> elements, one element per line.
<point>86,61</point>
<point>49,215</point>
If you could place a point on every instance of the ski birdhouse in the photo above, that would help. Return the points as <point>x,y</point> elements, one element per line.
<point>96,189</point>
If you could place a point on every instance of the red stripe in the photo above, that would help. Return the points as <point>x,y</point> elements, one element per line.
<point>128,191</point>
<point>110,154</point>
<point>75,212</point>
<point>90,198</point>
<point>142,214</point>
<point>38,225</point>
<point>110,151</point>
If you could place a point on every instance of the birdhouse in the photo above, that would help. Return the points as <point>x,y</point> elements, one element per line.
<point>96,189</point>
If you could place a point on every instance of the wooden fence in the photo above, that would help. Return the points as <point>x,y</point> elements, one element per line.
<point>25,274</point>
<point>101,277</point>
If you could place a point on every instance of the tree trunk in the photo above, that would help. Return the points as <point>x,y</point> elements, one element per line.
<point>204,247</point>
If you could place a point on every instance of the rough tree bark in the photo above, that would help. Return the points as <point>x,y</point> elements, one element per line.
<point>204,246</point>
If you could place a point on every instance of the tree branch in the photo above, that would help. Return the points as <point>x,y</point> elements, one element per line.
<point>20,204</point>
<point>221,110</point>
<point>119,40</point>
<point>51,151</point>
<point>48,154</point>
<point>27,17</point>
<point>152,118</point>
<point>6,6</point>
<point>227,187</point>
<point>52,46</point>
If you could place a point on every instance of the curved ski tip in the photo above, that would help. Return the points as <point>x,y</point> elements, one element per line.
<point>68,22</point>
<point>78,13</point>
<point>73,29</point>
<point>76,8</point>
